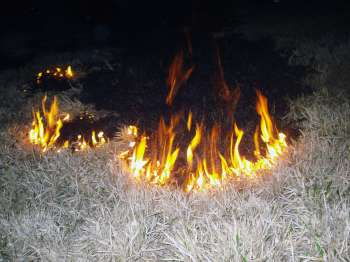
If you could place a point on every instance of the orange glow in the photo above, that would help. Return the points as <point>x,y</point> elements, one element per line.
<point>154,158</point>
<point>46,129</point>
<point>176,77</point>
<point>192,146</point>
<point>189,121</point>
<point>69,72</point>
<point>158,167</point>
<point>229,98</point>
<point>57,72</point>
<point>47,125</point>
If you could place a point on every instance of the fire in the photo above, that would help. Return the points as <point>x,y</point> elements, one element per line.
<point>46,130</point>
<point>176,77</point>
<point>209,158</point>
<point>56,72</point>
<point>229,98</point>
<point>47,126</point>
<point>154,158</point>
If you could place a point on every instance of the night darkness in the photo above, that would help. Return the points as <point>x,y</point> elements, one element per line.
<point>32,28</point>
<point>184,130</point>
<point>144,36</point>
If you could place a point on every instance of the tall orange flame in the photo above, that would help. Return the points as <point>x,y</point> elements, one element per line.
<point>47,125</point>
<point>46,130</point>
<point>206,166</point>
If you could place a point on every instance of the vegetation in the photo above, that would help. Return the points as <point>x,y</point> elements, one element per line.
<point>82,206</point>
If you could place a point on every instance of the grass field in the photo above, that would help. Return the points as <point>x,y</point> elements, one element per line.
<point>83,207</point>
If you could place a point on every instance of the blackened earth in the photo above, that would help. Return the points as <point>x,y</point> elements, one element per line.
<point>136,87</point>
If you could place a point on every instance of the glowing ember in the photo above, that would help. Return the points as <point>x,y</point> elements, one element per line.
<point>153,158</point>
<point>56,72</point>
<point>47,126</point>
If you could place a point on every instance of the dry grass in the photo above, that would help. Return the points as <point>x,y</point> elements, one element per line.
<point>83,207</point>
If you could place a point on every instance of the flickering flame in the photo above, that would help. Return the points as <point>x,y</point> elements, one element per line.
<point>154,158</point>
<point>46,129</point>
<point>189,121</point>
<point>192,146</point>
<point>56,72</point>
<point>176,77</point>
<point>69,72</point>
<point>47,125</point>
<point>229,98</point>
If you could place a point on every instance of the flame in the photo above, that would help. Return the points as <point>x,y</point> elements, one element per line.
<point>275,141</point>
<point>154,158</point>
<point>46,130</point>
<point>56,72</point>
<point>229,98</point>
<point>176,77</point>
<point>189,121</point>
<point>47,125</point>
<point>192,146</point>
<point>69,72</point>
<point>157,168</point>
<point>99,140</point>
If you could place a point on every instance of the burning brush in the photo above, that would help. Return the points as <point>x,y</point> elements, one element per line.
<point>47,129</point>
<point>201,164</point>
<point>57,73</point>
<point>211,157</point>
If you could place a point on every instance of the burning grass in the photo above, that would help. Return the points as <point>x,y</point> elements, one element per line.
<point>205,165</point>
<point>56,73</point>
<point>84,207</point>
<point>47,126</point>
<point>211,157</point>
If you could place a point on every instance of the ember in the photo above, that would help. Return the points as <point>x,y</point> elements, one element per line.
<point>47,126</point>
<point>56,72</point>
<point>210,158</point>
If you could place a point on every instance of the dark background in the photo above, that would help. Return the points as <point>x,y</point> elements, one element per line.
<point>150,33</point>
<point>29,28</point>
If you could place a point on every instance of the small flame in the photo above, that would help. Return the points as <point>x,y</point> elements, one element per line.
<point>99,140</point>
<point>57,72</point>
<point>69,72</point>
<point>47,126</point>
<point>46,130</point>
<point>176,77</point>
<point>192,146</point>
<point>189,121</point>
<point>66,118</point>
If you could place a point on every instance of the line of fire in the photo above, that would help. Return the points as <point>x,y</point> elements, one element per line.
<point>208,159</point>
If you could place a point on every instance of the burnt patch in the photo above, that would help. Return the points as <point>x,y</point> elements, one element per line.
<point>84,125</point>
<point>138,90</point>
<point>49,83</point>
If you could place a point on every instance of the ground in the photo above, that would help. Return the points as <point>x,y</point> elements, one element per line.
<point>84,206</point>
